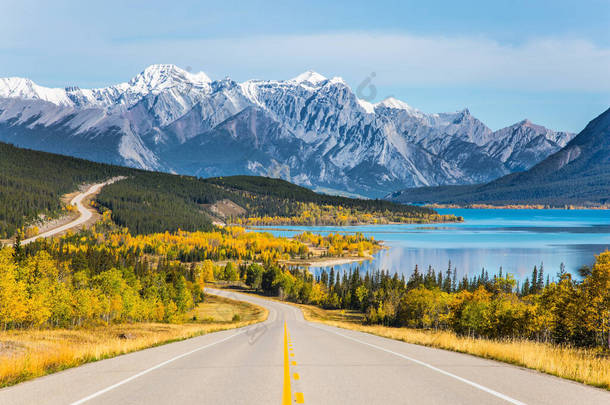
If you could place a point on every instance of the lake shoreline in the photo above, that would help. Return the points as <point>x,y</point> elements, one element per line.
<point>514,240</point>
<point>516,207</point>
<point>327,261</point>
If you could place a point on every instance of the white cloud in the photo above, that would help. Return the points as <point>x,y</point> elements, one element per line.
<point>397,59</point>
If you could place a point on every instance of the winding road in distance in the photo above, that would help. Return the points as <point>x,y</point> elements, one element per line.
<point>287,360</point>
<point>85,213</point>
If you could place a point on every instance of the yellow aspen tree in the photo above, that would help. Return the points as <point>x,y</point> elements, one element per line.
<point>12,292</point>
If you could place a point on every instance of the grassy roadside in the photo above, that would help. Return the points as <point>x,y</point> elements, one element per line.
<point>585,366</point>
<point>26,354</point>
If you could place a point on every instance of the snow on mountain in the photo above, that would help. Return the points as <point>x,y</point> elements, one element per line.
<point>395,104</point>
<point>310,129</point>
<point>309,77</point>
<point>17,87</point>
<point>366,106</point>
<point>157,78</point>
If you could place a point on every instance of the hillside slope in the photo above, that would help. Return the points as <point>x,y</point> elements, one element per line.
<point>31,183</point>
<point>578,174</point>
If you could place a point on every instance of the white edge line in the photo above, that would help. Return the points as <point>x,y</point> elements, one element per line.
<point>421,363</point>
<point>141,373</point>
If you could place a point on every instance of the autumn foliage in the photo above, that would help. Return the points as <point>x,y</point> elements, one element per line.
<point>106,275</point>
<point>311,214</point>
<point>563,311</point>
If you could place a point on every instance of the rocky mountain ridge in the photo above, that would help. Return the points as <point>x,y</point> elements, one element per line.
<point>310,130</point>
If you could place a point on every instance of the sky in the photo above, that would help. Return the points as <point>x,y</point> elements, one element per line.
<point>504,60</point>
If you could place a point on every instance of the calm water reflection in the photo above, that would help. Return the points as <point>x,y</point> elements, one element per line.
<point>514,239</point>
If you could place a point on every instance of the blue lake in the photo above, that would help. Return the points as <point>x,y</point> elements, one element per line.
<point>514,239</point>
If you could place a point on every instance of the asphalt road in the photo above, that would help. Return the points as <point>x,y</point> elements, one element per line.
<point>85,213</point>
<point>287,360</point>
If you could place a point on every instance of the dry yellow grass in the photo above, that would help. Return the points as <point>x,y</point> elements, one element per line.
<point>26,354</point>
<point>580,365</point>
<point>220,309</point>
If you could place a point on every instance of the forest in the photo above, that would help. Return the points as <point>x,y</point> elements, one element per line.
<point>288,192</point>
<point>32,183</point>
<point>559,310</point>
<point>105,275</point>
<point>158,202</point>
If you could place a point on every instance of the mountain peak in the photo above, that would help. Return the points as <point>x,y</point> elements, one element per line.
<point>162,76</point>
<point>526,123</point>
<point>19,87</point>
<point>394,103</point>
<point>309,77</point>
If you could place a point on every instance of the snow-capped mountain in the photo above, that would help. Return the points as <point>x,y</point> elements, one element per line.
<point>311,130</point>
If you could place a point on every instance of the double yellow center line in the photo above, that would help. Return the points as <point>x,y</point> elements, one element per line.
<point>287,392</point>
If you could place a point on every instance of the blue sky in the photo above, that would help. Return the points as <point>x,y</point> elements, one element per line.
<point>548,61</point>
